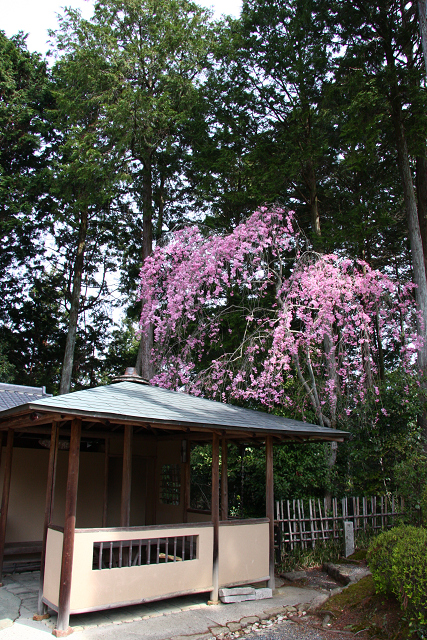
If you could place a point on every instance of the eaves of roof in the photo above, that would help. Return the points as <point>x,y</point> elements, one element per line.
<point>127,402</point>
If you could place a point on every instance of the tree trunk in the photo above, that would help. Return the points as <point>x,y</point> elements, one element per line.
<point>417,253</point>
<point>67,366</point>
<point>381,366</point>
<point>143,364</point>
<point>421,181</point>
<point>310,179</point>
<point>331,364</point>
<point>160,209</point>
<point>422,15</point>
<point>415,239</point>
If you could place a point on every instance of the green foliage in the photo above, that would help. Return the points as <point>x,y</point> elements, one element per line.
<point>34,336</point>
<point>6,368</point>
<point>411,481</point>
<point>201,477</point>
<point>384,432</point>
<point>380,558</point>
<point>424,506</point>
<point>122,350</point>
<point>299,470</point>
<point>301,558</point>
<point>409,575</point>
<point>397,559</point>
<point>24,96</point>
<point>363,539</point>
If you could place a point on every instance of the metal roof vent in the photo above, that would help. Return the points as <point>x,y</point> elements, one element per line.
<point>130,375</point>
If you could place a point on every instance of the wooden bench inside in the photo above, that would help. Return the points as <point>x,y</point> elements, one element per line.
<point>23,548</point>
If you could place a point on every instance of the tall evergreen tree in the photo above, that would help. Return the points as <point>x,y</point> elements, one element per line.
<point>148,59</point>
<point>382,41</point>
<point>24,134</point>
<point>86,174</point>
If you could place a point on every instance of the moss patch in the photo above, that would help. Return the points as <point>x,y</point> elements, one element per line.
<point>358,557</point>
<point>360,610</point>
<point>351,596</point>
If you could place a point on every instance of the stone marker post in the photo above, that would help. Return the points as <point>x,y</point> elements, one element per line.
<point>348,538</point>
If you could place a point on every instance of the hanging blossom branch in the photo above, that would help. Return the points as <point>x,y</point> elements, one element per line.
<point>301,317</point>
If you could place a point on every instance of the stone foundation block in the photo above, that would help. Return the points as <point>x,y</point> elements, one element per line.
<point>237,591</point>
<point>230,599</point>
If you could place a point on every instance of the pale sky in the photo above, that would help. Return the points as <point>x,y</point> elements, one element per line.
<point>35,17</point>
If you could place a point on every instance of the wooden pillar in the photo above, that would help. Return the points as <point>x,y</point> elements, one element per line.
<point>126,477</point>
<point>106,468</point>
<point>50,494</point>
<point>224,479</point>
<point>156,482</point>
<point>5,498</point>
<point>215,516</point>
<point>269,482</point>
<point>62,627</point>
<point>187,481</point>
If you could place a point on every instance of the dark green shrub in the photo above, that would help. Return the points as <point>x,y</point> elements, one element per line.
<point>380,555</point>
<point>411,481</point>
<point>409,575</point>
<point>423,503</point>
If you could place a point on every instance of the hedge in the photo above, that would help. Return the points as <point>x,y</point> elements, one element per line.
<point>398,561</point>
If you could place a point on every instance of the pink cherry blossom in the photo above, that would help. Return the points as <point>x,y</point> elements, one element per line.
<point>326,322</point>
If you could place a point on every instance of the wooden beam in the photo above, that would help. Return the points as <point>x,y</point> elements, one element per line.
<point>126,477</point>
<point>66,431</point>
<point>106,471</point>
<point>215,516</point>
<point>5,497</point>
<point>269,499</point>
<point>224,479</point>
<point>187,480</point>
<point>49,504</point>
<point>63,624</point>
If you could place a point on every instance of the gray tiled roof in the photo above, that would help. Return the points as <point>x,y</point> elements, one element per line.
<point>12,395</point>
<point>131,401</point>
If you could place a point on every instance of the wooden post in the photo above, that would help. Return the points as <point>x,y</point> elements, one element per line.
<point>126,477</point>
<point>269,481</point>
<point>5,498</point>
<point>215,517</point>
<point>187,482</point>
<point>50,494</point>
<point>224,479</point>
<point>106,464</point>
<point>63,628</point>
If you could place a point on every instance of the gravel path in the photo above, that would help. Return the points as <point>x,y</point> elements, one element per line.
<point>289,630</point>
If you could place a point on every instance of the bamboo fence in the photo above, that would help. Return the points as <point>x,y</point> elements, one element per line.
<point>309,522</point>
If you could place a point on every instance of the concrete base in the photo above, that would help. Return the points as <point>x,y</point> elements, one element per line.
<point>62,634</point>
<point>41,616</point>
<point>242,594</point>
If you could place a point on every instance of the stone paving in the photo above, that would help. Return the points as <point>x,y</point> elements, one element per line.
<point>183,618</point>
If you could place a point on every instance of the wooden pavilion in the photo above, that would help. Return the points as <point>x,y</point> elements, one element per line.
<point>114,515</point>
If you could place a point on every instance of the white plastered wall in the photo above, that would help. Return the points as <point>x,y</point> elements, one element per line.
<point>28,492</point>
